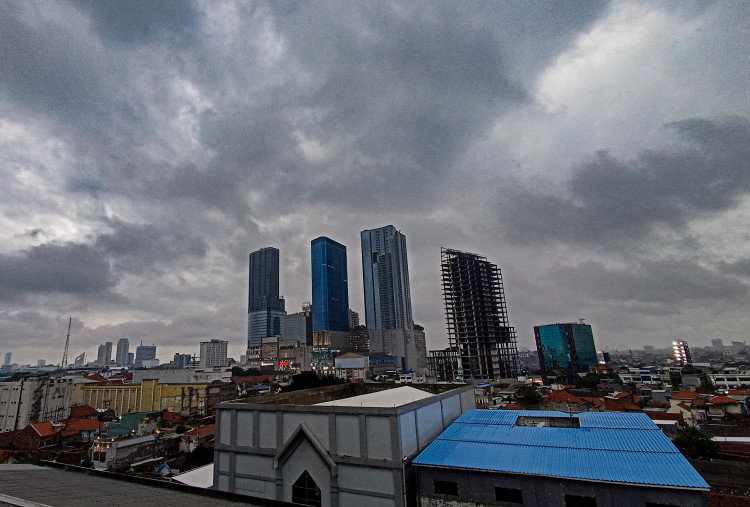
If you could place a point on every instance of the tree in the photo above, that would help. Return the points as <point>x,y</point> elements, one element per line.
<point>676,378</point>
<point>590,381</point>
<point>694,443</point>
<point>310,379</point>
<point>530,397</point>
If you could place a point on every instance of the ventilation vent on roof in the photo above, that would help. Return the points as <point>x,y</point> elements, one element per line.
<point>552,422</point>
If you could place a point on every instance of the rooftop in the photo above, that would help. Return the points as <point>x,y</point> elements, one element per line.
<point>388,398</point>
<point>35,485</point>
<point>600,446</point>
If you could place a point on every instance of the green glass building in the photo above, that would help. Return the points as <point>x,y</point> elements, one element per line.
<point>568,346</point>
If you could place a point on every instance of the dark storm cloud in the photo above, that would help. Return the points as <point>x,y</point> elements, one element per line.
<point>50,68</point>
<point>55,268</point>
<point>94,269</point>
<point>610,201</point>
<point>672,282</point>
<point>143,21</point>
<point>137,247</point>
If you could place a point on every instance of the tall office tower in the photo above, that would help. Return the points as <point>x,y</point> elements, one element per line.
<point>385,273</point>
<point>121,357</point>
<point>7,359</point>
<point>213,353</point>
<point>681,352</point>
<point>476,315</point>
<point>104,354</point>
<point>330,287</point>
<point>265,307</point>
<point>144,353</point>
<point>568,346</point>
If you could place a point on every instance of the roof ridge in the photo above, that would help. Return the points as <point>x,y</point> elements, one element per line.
<point>557,446</point>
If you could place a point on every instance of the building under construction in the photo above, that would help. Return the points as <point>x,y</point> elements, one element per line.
<point>477,317</point>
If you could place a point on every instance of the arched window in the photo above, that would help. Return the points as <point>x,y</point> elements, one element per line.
<point>305,491</point>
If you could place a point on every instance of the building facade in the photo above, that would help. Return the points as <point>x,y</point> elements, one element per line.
<point>265,308</point>
<point>385,272</point>
<point>213,354</point>
<point>144,353</point>
<point>569,346</point>
<point>407,346</point>
<point>330,286</point>
<point>349,444</point>
<point>445,365</point>
<point>34,399</point>
<point>104,354</point>
<point>121,357</point>
<point>298,326</point>
<point>477,316</point>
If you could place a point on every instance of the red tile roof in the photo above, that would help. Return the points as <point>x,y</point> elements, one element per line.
<point>739,392</point>
<point>82,411</point>
<point>614,406</point>
<point>683,406</point>
<point>201,431</point>
<point>685,395</point>
<point>722,400</point>
<point>44,429</point>
<point>664,416</point>
<point>513,406</point>
<point>171,417</point>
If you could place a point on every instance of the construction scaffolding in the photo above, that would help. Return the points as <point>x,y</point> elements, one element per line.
<point>476,316</point>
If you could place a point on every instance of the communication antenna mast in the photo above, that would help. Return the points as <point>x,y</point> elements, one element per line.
<point>67,342</point>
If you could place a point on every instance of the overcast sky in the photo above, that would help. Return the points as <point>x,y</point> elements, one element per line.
<point>599,153</point>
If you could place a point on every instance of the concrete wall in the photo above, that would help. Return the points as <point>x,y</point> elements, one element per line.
<point>33,400</point>
<point>478,488</point>
<point>145,397</point>
<point>356,455</point>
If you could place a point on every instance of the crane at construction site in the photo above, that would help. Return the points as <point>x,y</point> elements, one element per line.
<point>67,342</point>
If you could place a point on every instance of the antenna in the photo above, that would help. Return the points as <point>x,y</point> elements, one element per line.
<point>67,342</point>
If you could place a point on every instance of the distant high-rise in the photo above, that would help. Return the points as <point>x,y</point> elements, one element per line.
<point>353,319</point>
<point>7,359</point>
<point>265,307</point>
<point>330,286</point>
<point>104,354</point>
<point>144,353</point>
<point>121,357</point>
<point>385,273</point>
<point>477,317</point>
<point>569,346</point>
<point>213,353</point>
<point>681,352</point>
<point>298,326</point>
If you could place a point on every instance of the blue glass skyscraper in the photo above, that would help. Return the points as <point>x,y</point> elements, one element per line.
<point>330,286</point>
<point>265,307</point>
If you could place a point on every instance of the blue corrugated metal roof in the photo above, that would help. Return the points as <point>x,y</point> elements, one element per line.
<point>618,447</point>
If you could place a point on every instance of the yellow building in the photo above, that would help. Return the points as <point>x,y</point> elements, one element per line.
<point>145,397</point>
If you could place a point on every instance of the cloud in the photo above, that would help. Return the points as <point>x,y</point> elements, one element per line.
<point>610,201</point>
<point>94,269</point>
<point>652,282</point>
<point>55,268</point>
<point>141,21</point>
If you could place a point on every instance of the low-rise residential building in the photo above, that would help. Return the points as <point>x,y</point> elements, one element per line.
<point>352,366</point>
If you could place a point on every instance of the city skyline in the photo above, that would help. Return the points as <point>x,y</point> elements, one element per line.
<point>596,151</point>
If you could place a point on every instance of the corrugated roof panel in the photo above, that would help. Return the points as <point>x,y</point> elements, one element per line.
<point>581,438</point>
<point>666,469</point>
<point>622,420</point>
<point>609,447</point>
